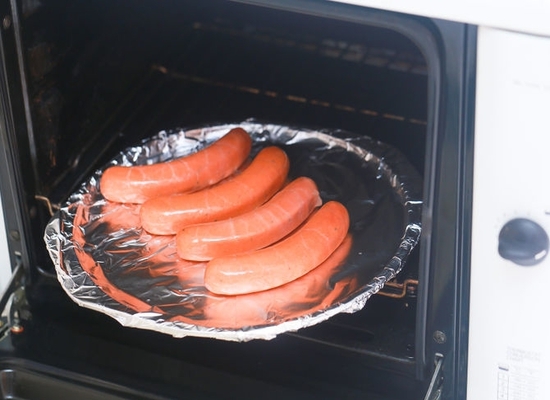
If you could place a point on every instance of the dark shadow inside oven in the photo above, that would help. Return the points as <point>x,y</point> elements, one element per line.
<point>102,76</point>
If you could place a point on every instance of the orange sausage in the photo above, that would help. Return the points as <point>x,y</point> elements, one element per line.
<point>210,165</point>
<point>310,293</point>
<point>258,228</point>
<point>284,261</point>
<point>166,215</point>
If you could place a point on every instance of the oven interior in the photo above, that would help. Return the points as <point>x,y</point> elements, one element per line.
<point>100,76</point>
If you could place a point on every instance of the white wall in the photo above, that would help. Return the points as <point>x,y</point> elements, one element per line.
<point>5,263</point>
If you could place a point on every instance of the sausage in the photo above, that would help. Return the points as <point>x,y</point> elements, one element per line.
<point>284,261</point>
<point>258,228</point>
<point>313,292</point>
<point>266,174</point>
<point>206,167</point>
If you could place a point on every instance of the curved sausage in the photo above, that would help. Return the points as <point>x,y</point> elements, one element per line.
<point>313,292</point>
<point>166,215</point>
<point>258,228</point>
<point>284,261</point>
<point>206,167</point>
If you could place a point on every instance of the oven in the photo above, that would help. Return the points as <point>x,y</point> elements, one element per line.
<point>457,96</point>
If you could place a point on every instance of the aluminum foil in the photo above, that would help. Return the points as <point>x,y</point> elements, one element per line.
<point>106,262</point>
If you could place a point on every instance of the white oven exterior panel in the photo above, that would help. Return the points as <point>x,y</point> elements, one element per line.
<point>509,350</point>
<point>531,16</point>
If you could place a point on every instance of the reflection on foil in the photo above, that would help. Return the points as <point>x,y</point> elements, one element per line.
<point>106,262</point>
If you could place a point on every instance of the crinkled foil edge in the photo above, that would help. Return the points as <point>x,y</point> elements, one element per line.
<point>393,166</point>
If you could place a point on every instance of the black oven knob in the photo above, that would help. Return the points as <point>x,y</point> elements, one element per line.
<point>523,242</point>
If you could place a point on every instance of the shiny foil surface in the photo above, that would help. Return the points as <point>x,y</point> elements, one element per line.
<point>105,261</point>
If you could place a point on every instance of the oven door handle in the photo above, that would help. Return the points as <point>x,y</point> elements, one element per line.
<point>436,383</point>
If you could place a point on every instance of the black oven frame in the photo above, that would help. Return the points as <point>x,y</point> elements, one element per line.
<point>442,322</point>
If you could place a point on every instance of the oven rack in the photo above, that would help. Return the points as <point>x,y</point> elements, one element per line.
<point>285,96</point>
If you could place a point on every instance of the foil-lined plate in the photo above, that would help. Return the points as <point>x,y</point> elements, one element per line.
<point>105,261</point>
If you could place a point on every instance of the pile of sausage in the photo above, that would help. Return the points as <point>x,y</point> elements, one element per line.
<point>255,230</point>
